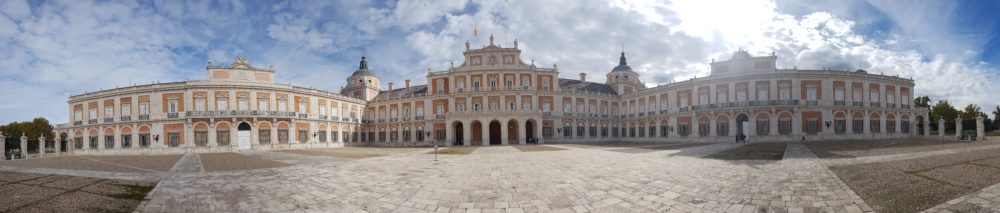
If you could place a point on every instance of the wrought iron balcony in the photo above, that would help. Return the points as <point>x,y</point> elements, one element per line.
<point>682,109</point>
<point>839,103</point>
<point>904,106</point>
<point>875,104</point>
<point>303,115</point>
<point>858,103</point>
<point>143,117</point>
<point>173,115</point>
<point>546,114</point>
<point>891,105</point>
<point>663,112</point>
<point>812,103</point>
<point>759,103</point>
<point>126,118</point>
<point>77,123</point>
<point>439,117</point>
<point>651,113</point>
<point>642,114</point>
<point>567,114</point>
<point>92,121</point>
<point>109,120</point>
<point>419,117</point>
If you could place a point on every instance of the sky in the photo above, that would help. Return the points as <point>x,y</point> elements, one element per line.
<point>50,50</point>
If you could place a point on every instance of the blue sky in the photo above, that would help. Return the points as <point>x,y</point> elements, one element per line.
<point>54,49</point>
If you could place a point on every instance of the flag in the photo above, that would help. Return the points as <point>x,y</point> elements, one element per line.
<point>475,30</point>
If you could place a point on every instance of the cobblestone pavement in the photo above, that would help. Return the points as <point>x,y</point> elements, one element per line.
<point>503,179</point>
<point>32,192</point>
<point>986,200</point>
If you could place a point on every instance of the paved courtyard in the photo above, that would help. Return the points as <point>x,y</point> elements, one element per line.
<point>605,177</point>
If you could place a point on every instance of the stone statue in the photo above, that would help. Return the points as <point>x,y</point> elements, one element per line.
<point>467,47</point>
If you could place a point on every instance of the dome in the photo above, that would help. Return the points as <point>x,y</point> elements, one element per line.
<point>622,65</point>
<point>363,69</point>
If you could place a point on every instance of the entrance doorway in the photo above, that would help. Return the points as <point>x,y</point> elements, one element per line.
<point>243,136</point>
<point>477,133</point>
<point>459,134</point>
<point>495,133</point>
<point>512,132</point>
<point>529,132</point>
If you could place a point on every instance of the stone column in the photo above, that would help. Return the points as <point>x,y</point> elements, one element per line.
<point>940,128</point>
<point>503,132</point>
<point>523,132</point>
<point>486,133</point>
<point>958,128</point>
<point>24,146</point>
<point>927,126</point>
<point>466,133</point>
<point>41,146</point>
<point>56,143</point>
<point>449,134</point>
<point>980,129</point>
<point>538,132</point>
<point>3,147</point>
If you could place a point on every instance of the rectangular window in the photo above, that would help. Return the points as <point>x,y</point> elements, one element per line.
<point>220,103</point>
<point>593,132</point>
<point>264,136</point>
<point>811,94</point>
<point>200,138</point>
<point>322,136</point>
<point>579,131</point>
<point>763,128</point>
<point>109,142</point>
<point>174,139</point>
<point>890,126</point>
<point>785,127</point>
<point>144,108</point>
<point>144,140</point>
<point>79,142</point>
<point>857,126</point>
<point>109,112</point>
<point>568,132</point>
<point>199,104</point>
<point>684,130</point>
<point>874,126</point>
<point>703,129</point>
<point>172,106</point>
<point>420,135</point>
<point>222,137</point>
<point>722,129</point>
<point>282,136</point>
<point>93,142</point>
<point>126,141</point>
<point>262,105</point>
<point>126,109</point>
<point>812,127</point>
<point>303,136</point>
<point>840,126</point>
<point>762,94</point>
<point>663,131</point>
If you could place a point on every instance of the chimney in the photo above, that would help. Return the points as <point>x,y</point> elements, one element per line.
<point>583,77</point>
<point>390,86</point>
<point>407,83</point>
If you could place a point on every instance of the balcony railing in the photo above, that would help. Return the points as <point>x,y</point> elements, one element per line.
<point>904,106</point>
<point>173,115</point>
<point>347,119</point>
<point>875,104</point>
<point>323,117</point>
<point>642,114</point>
<point>759,103</point>
<point>439,117</point>
<point>567,114</point>
<point>890,105</point>
<point>126,118</point>
<point>651,113</point>
<point>663,112</point>
<point>419,117</point>
<point>858,103</point>
<point>812,103</point>
<point>92,121</point>
<point>839,103</point>
<point>546,114</point>
<point>785,102</point>
<point>109,120</point>
<point>77,123</point>
<point>143,117</point>
<point>682,109</point>
<point>393,119</point>
<point>604,116</point>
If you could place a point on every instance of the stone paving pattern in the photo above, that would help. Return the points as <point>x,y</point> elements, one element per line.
<point>28,192</point>
<point>602,177</point>
<point>503,179</point>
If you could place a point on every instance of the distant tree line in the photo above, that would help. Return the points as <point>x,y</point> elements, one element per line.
<point>944,110</point>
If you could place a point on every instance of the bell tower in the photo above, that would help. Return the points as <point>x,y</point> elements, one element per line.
<point>363,83</point>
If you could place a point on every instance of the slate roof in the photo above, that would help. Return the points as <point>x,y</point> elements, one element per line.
<point>413,90</point>
<point>572,84</point>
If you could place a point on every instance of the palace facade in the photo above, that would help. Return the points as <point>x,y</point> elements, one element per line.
<point>492,98</point>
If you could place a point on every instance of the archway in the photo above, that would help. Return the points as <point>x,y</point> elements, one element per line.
<point>495,133</point>
<point>529,131</point>
<point>477,133</point>
<point>741,124</point>
<point>243,136</point>
<point>920,125</point>
<point>459,134</point>
<point>512,132</point>
<point>63,142</point>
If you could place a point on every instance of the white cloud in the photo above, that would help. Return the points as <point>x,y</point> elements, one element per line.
<point>15,9</point>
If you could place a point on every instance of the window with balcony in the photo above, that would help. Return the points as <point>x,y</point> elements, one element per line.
<point>262,105</point>
<point>221,103</point>
<point>126,109</point>
<point>143,108</point>
<point>172,105</point>
<point>722,98</point>
<point>785,93</point>
<point>282,105</point>
<point>93,113</point>
<point>78,115</point>
<point>811,93</point>
<point>762,94</point>
<point>199,104</point>
<point>302,107</point>
<point>243,104</point>
<point>109,112</point>
<point>741,95</point>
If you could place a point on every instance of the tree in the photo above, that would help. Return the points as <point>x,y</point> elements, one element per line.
<point>996,117</point>
<point>972,111</point>
<point>943,110</point>
<point>922,101</point>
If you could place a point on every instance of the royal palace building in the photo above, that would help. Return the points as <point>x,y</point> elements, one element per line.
<point>492,98</point>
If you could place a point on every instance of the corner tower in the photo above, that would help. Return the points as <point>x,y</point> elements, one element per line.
<point>363,83</point>
<point>623,79</point>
